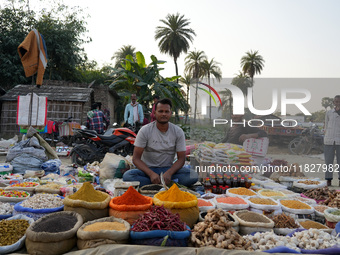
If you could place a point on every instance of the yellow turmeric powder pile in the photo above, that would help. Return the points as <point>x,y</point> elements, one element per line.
<point>88,193</point>
<point>242,191</point>
<point>174,194</point>
<point>294,204</point>
<point>97,226</point>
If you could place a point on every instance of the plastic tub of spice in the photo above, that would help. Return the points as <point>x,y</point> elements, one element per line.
<point>285,224</point>
<point>332,217</point>
<point>109,230</point>
<point>54,232</point>
<point>13,231</point>
<point>265,206</point>
<point>253,222</point>
<point>297,209</point>
<point>308,224</point>
<point>240,192</point>
<point>231,204</point>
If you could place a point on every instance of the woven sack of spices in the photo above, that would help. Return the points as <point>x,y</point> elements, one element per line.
<point>130,205</point>
<point>250,222</point>
<point>181,202</point>
<point>265,206</point>
<point>53,234</point>
<point>90,203</point>
<point>294,208</point>
<point>108,230</point>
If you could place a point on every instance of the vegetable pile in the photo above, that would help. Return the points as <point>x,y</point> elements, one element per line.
<point>216,230</point>
<point>319,193</point>
<point>159,218</point>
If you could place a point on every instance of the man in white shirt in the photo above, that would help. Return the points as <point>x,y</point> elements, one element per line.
<point>133,111</point>
<point>156,145</point>
<point>332,140</point>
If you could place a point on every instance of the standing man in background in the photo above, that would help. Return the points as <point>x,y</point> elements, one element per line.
<point>332,140</point>
<point>152,115</point>
<point>133,111</point>
<point>96,119</point>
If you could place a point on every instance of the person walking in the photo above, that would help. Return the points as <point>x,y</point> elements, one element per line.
<point>332,140</point>
<point>96,119</point>
<point>133,112</point>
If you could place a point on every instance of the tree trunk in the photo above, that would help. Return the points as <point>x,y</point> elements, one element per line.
<point>176,67</point>
<point>209,98</point>
<point>196,100</point>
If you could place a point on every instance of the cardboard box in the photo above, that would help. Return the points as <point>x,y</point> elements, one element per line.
<point>257,147</point>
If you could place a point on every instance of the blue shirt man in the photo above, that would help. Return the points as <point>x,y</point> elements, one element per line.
<point>133,111</point>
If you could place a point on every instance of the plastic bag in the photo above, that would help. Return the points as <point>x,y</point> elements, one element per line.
<point>52,166</point>
<point>112,166</point>
<point>30,146</point>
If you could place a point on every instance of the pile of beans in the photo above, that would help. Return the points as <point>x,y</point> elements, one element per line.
<point>231,200</point>
<point>312,224</point>
<point>42,201</point>
<point>294,204</point>
<point>262,201</point>
<point>55,224</point>
<point>97,226</point>
<point>12,230</point>
<point>252,217</point>
<point>272,193</point>
<point>242,191</point>
<point>321,208</point>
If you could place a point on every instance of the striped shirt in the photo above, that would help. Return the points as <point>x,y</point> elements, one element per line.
<point>332,128</point>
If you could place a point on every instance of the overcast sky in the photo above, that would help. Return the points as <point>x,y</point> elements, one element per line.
<point>296,38</point>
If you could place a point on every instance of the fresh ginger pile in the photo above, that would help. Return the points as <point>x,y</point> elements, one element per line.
<point>216,231</point>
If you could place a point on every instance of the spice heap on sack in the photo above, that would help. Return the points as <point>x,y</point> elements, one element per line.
<point>272,193</point>
<point>284,221</point>
<point>42,201</point>
<point>320,193</point>
<point>201,202</point>
<point>333,200</point>
<point>309,182</point>
<point>159,218</point>
<point>216,230</point>
<point>88,193</point>
<point>242,191</point>
<point>312,224</point>
<point>294,204</point>
<point>57,223</point>
<point>6,208</point>
<point>231,200</point>
<point>306,200</point>
<point>337,212</point>
<point>262,201</point>
<point>131,197</point>
<point>174,194</point>
<point>98,226</point>
<point>320,208</point>
<point>252,217</point>
<point>12,230</point>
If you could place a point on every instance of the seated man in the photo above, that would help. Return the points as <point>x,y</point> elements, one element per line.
<point>155,148</point>
<point>238,133</point>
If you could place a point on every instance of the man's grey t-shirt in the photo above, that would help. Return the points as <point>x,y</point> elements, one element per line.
<point>160,147</point>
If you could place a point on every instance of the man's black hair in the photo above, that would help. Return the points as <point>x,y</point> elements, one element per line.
<point>94,106</point>
<point>155,97</point>
<point>164,101</point>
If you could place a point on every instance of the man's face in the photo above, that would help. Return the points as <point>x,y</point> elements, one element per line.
<point>163,113</point>
<point>133,98</point>
<point>337,102</point>
<point>236,118</point>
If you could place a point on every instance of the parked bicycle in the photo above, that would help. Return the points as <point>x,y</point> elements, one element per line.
<point>311,139</point>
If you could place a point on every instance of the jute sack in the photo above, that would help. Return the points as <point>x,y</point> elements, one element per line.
<point>47,243</point>
<point>248,227</point>
<point>92,239</point>
<point>89,210</point>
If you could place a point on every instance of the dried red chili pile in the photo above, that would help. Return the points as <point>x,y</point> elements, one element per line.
<point>158,218</point>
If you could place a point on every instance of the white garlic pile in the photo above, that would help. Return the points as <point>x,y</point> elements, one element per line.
<point>42,201</point>
<point>268,240</point>
<point>6,208</point>
<point>312,239</point>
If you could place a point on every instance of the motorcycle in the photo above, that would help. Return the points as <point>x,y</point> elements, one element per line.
<point>311,139</point>
<point>91,146</point>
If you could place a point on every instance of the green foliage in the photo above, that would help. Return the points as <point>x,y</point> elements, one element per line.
<point>202,134</point>
<point>319,116</point>
<point>63,29</point>
<point>327,102</point>
<point>252,63</point>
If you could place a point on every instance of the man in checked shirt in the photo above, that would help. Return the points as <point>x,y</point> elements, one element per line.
<point>95,119</point>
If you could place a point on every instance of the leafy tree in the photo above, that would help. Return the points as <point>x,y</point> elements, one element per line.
<point>194,66</point>
<point>319,116</point>
<point>63,29</point>
<point>252,63</point>
<point>242,81</point>
<point>135,76</point>
<point>211,69</point>
<point>174,36</point>
<point>327,102</point>
<point>121,54</point>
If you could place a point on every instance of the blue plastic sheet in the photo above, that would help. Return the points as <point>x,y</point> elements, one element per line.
<point>160,233</point>
<point>2,217</point>
<point>281,249</point>
<point>337,228</point>
<point>20,208</point>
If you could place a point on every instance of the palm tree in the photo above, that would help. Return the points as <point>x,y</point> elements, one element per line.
<point>120,55</point>
<point>242,81</point>
<point>194,66</point>
<point>211,68</point>
<point>186,80</point>
<point>174,36</point>
<point>252,63</point>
